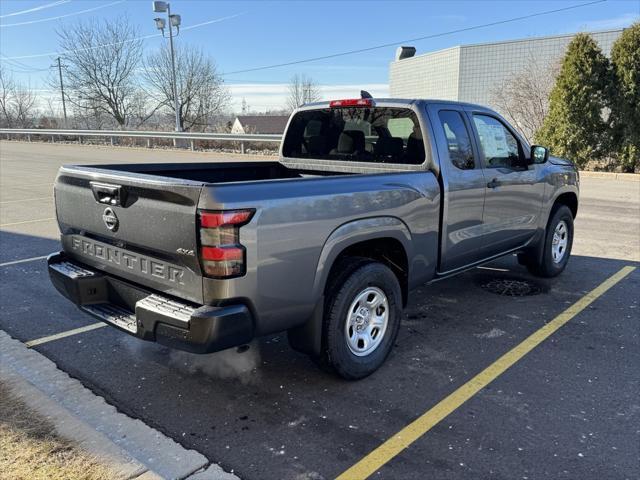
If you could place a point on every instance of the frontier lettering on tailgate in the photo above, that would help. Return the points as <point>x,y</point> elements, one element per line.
<point>128,260</point>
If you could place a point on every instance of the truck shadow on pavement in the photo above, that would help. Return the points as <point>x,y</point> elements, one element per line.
<point>18,246</point>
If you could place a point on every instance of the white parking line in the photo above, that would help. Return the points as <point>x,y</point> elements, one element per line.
<point>27,221</point>
<point>24,260</point>
<point>27,200</point>
<point>68,333</point>
<point>29,185</point>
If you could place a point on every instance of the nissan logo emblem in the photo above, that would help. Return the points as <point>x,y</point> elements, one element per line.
<point>110,219</point>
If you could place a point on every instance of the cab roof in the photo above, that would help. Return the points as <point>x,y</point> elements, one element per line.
<point>406,102</point>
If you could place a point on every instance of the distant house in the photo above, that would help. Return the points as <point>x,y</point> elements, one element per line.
<point>266,124</point>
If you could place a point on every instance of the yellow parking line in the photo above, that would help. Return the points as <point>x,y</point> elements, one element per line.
<point>68,333</point>
<point>409,434</point>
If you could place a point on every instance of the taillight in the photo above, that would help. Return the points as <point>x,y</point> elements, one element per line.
<point>221,253</point>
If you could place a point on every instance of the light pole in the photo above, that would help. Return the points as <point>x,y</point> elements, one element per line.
<point>174,21</point>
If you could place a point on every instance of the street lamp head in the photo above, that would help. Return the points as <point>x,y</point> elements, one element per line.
<point>160,7</point>
<point>160,23</point>
<point>175,20</point>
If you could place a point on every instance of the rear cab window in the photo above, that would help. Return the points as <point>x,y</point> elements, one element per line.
<point>357,134</point>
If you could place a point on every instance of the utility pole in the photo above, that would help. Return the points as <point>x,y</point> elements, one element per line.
<point>64,105</point>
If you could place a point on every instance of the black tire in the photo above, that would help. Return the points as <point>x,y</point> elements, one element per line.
<point>353,276</point>
<point>547,267</point>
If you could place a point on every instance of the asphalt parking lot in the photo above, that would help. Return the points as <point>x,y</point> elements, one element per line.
<point>568,409</point>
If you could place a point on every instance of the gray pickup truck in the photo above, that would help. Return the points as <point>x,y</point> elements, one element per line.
<point>369,199</point>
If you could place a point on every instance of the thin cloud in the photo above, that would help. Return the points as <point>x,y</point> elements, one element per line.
<point>209,22</point>
<point>144,37</point>
<point>35,9</point>
<point>613,23</point>
<point>49,19</point>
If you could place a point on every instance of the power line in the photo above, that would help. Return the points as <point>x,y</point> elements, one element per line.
<point>416,39</point>
<point>35,9</point>
<point>334,55</point>
<point>49,19</point>
<point>19,67</point>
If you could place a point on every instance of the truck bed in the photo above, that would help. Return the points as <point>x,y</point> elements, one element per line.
<point>218,172</point>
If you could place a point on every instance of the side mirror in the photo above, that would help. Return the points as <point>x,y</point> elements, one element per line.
<point>539,154</point>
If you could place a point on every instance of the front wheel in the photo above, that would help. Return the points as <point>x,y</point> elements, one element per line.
<point>558,241</point>
<point>362,317</point>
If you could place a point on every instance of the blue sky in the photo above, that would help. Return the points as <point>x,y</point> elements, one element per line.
<point>259,33</point>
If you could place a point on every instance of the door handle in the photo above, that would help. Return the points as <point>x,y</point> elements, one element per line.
<point>493,183</point>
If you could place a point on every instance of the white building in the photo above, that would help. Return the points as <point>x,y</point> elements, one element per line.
<point>472,73</point>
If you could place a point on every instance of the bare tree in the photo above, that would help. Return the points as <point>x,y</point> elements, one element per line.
<point>7,87</point>
<point>23,104</point>
<point>50,116</point>
<point>100,64</point>
<point>201,93</point>
<point>142,108</point>
<point>17,102</point>
<point>524,97</point>
<point>89,115</point>
<point>302,89</point>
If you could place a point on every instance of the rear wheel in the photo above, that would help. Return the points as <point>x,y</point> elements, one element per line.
<point>558,241</point>
<point>362,317</point>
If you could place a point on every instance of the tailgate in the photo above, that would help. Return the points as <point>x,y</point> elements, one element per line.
<point>135,226</point>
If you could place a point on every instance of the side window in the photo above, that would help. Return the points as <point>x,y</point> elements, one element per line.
<point>499,146</point>
<point>400,127</point>
<point>314,127</point>
<point>458,140</point>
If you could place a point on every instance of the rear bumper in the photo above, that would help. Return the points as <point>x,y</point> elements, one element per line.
<point>147,314</point>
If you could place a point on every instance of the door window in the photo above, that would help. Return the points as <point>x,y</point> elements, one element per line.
<point>458,140</point>
<point>499,146</point>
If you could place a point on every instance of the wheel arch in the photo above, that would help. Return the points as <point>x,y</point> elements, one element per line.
<point>570,199</point>
<point>567,197</point>
<point>383,239</point>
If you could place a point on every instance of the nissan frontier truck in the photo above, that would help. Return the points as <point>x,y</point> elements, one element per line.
<point>369,199</point>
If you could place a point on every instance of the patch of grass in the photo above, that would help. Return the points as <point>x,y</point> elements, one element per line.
<point>30,448</point>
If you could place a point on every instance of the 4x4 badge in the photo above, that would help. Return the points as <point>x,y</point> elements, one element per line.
<point>110,219</point>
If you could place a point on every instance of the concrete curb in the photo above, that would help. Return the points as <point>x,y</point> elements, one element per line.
<point>630,177</point>
<point>129,446</point>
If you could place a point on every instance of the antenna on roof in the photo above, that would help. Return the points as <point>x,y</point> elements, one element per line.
<point>365,94</point>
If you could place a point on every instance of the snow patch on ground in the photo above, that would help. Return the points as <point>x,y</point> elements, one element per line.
<point>493,333</point>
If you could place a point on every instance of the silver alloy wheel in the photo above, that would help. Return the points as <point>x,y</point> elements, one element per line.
<point>560,241</point>
<point>367,321</point>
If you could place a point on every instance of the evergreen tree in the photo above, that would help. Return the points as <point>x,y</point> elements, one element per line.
<point>575,127</point>
<point>625,102</point>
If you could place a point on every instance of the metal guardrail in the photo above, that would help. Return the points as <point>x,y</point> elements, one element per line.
<point>191,136</point>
